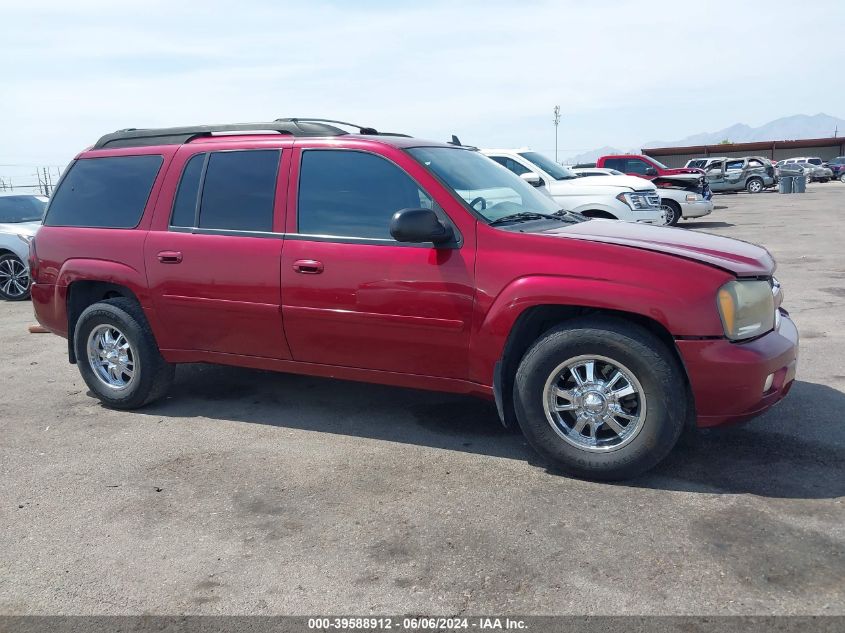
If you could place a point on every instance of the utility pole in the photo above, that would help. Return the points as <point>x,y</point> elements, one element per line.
<point>557,122</point>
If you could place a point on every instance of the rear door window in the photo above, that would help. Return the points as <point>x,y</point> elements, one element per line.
<point>239,190</point>
<point>109,192</point>
<point>615,163</point>
<point>232,190</point>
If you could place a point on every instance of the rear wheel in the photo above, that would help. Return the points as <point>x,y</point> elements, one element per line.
<point>600,398</point>
<point>14,278</point>
<point>671,210</point>
<point>118,356</point>
<point>754,185</point>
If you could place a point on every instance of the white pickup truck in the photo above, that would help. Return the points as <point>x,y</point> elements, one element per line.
<point>625,198</point>
<point>681,201</point>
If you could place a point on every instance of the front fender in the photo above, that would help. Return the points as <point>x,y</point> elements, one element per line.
<point>664,306</point>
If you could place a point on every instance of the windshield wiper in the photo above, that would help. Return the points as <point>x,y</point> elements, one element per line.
<point>572,214</point>
<point>525,216</point>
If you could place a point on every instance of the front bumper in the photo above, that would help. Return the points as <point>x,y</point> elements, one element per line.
<point>728,379</point>
<point>696,209</point>
<point>654,216</point>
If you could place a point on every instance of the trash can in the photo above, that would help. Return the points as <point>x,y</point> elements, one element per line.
<point>785,184</point>
<point>799,184</point>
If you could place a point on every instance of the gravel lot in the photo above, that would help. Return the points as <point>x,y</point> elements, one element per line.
<point>252,492</point>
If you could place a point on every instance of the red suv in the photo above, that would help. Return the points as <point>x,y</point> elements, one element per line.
<point>297,247</point>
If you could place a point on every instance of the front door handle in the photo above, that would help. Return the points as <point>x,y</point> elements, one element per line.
<point>308,266</point>
<point>170,257</point>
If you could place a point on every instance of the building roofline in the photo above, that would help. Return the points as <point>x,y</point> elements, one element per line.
<point>745,147</point>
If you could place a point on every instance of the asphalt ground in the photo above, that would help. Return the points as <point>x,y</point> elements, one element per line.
<point>247,492</point>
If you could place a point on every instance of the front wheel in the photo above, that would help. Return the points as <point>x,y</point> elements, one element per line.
<point>14,278</point>
<point>117,355</point>
<point>842,179</point>
<point>671,211</point>
<point>754,185</point>
<point>601,398</point>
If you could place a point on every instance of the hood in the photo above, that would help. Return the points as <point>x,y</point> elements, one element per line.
<point>628,182</point>
<point>740,258</point>
<point>20,228</point>
<point>679,180</point>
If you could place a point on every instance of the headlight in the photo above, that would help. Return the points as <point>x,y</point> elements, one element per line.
<point>747,308</point>
<point>637,201</point>
<point>692,197</point>
<point>25,238</point>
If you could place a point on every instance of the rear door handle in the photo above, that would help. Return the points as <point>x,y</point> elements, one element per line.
<point>308,266</point>
<point>170,257</point>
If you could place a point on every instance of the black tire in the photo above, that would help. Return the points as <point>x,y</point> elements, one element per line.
<point>153,375</point>
<point>754,185</point>
<point>11,269</point>
<point>650,362</point>
<point>672,210</point>
<point>842,179</point>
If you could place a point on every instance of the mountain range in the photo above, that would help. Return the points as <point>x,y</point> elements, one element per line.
<point>793,127</point>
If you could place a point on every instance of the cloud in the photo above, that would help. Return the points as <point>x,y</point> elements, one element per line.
<point>623,72</point>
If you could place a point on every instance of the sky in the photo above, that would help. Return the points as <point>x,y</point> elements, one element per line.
<point>623,72</point>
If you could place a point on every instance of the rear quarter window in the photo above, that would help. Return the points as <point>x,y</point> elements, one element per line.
<point>109,192</point>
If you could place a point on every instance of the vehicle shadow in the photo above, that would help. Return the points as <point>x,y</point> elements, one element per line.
<point>692,224</point>
<point>796,450</point>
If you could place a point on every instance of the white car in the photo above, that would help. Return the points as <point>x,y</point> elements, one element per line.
<point>677,202</point>
<point>20,218</point>
<point>623,197</point>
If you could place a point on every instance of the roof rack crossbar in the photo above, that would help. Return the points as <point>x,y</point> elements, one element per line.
<point>363,129</point>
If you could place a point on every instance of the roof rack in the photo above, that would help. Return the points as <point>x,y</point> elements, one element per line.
<point>137,137</point>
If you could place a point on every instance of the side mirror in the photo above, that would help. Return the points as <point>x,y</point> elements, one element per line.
<point>650,171</point>
<point>419,225</point>
<point>531,178</point>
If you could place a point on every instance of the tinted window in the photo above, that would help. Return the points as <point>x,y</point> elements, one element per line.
<point>239,189</point>
<point>104,192</point>
<point>615,163</point>
<point>511,164</point>
<point>353,194</point>
<point>635,166</point>
<point>22,208</point>
<point>185,205</point>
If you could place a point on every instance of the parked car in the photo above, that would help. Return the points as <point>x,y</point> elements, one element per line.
<point>704,163</point>
<point>837,168</point>
<point>752,174</point>
<point>811,171</point>
<point>643,166</point>
<point>615,198</point>
<point>293,246</point>
<point>20,218</point>
<point>681,201</point>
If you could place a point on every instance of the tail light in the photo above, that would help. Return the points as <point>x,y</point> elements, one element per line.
<point>33,262</point>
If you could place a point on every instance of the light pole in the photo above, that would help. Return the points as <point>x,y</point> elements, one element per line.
<point>557,121</point>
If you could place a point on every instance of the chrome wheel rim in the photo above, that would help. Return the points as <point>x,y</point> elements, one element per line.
<point>668,214</point>
<point>594,403</point>
<point>14,277</point>
<point>111,357</point>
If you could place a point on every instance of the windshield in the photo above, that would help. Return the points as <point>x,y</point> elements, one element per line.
<point>15,209</point>
<point>657,162</point>
<point>487,187</point>
<point>558,172</point>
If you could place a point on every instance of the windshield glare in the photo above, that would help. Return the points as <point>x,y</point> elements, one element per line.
<point>558,172</point>
<point>490,189</point>
<point>14,209</point>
